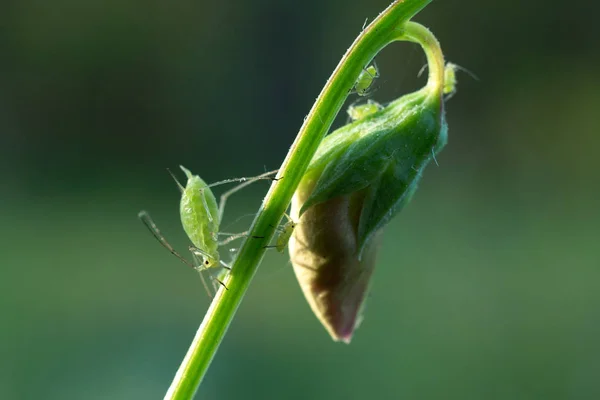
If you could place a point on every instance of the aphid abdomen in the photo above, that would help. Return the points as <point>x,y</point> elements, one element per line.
<point>200,215</point>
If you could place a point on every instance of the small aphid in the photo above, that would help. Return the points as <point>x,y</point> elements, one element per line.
<point>285,233</point>
<point>365,80</point>
<point>201,218</point>
<point>450,79</point>
<point>360,111</point>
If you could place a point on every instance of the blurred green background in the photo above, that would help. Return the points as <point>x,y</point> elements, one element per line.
<point>487,285</point>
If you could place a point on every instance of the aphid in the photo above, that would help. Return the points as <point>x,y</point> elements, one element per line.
<point>365,80</point>
<point>450,79</point>
<point>360,111</point>
<point>201,218</point>
<point>285,233</point>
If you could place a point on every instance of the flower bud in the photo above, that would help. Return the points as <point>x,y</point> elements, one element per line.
<point>360,178</point>
<point>324,250</point>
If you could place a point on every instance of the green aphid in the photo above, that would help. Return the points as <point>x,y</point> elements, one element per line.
<point>285,233</point>
<point>450,79</point>
<point>360,111</point>
<point>365,80</point>
<point>201,217</point>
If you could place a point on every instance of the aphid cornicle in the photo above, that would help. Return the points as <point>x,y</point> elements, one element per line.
<point>361,176</point>
<point>365,80</point>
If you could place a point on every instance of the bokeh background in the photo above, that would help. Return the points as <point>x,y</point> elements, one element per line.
<point>488,284</point>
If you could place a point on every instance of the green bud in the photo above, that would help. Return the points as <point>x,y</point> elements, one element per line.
<point>323,250</point>
<point>383,156</point>
<point>360,178</point>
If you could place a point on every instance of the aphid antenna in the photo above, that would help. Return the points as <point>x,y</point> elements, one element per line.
<point>467,71</point>
<point>277,228</point>
<point>423,68</point>
<point>287,216</point>
<point>456,66</point>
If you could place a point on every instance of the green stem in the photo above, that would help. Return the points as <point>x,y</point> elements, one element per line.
<point>417,33</point>
<point>381,32</point>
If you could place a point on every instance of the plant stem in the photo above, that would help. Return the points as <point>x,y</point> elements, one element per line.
<point>382,31</point>
<point>417,33</point>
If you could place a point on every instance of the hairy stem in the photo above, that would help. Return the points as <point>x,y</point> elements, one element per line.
<point>417,33</point>
<point>382,31</point>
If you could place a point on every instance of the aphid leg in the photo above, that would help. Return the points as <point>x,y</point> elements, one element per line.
<point>246,182</point>
<point>228,268</point>
<point>232,237</point>
<point>467,71</point>
<point>205,204</point>
<point>221,283</point>
<point>145,217</point>
<point>198,255</point>
<point>277,228</point>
